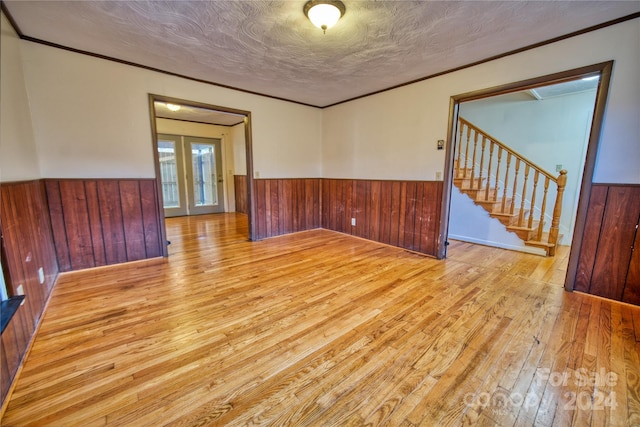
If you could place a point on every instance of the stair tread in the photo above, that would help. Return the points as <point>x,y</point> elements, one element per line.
<point>515,227</point>
<point>538,243</point>
<point>504,214</point>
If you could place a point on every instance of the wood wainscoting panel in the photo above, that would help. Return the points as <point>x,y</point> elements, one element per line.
<point>27,246</point>
<point>606,263</point>
<point>111,222</point>
<point>616,240</point>
<point>286,206</point>
<point>590,237</point>
<point>240,188</point>
<point>398,213</point>
<point>632,285</point>
<point>100,222</point>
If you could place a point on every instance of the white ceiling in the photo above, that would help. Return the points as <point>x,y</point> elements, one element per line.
<point>270,48</point>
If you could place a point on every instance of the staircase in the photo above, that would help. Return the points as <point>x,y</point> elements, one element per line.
<point>509,187</point>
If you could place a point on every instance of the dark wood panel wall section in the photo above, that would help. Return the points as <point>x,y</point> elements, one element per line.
<point>240,187</point>
<point>100,222</point>
<point>398,213</point>
<point>27,246</point>
<point>608,265</point>
<point>286,206</point>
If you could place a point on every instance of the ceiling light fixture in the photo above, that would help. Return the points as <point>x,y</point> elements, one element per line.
<point>173,107</point>
<point>324,13</point>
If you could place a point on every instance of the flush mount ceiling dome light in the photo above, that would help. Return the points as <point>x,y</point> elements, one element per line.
<point>324,13</point>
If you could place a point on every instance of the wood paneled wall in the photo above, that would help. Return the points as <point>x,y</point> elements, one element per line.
<point>399,213</point>
<point>27,245</point>
<point>104,221</point>
<point>240,187</point>
<point>286,206</point>
<point>608,266</point>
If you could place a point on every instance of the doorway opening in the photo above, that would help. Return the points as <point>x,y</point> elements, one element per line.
<point>203,159</point>
<point>515,147</point>
<point>602,72</point>
<point>191,175</point>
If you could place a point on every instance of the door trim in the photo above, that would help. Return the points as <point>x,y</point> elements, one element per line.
<point>604,70</point>
<point>248,148</point>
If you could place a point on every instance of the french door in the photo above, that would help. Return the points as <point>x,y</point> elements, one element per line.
<point>191,174</point>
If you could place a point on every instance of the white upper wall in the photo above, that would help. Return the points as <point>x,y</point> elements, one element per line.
<point>239,149</point>
<point>18,156</point>
<point>393,135</point>
<point>91,118</point>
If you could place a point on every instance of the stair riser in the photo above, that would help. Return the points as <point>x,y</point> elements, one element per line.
<point>506,220</point>
<point>466,183</point>
<point>523,234</point>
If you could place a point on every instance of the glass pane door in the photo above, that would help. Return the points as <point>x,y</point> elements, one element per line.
<point>171,173</point>
<point>191,175</point>
<point>205,175</point>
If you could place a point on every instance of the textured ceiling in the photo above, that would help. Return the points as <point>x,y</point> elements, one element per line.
<point>269,47</point>
<point>196,114</point>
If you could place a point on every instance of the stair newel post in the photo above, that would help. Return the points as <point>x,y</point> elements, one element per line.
<point>495,191</point>
<point>457,167</point>
<point>524,195</point>
<point>557,211</point>
<point>466,152</point>
<point>488,186</point>
<point>506,184</point>
<point>543,209</point>
<point>536,175</point>
<point>473,161</point>
<point>515,186</point>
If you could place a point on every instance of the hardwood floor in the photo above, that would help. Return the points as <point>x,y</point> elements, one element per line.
<point>324,329</point>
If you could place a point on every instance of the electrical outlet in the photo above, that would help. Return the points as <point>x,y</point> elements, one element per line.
<point>438,176</point>
<point>558,168</point>
<point>353,221</point>
<point>41,275</point>
<point>440,144</point>
<point>256,174</point>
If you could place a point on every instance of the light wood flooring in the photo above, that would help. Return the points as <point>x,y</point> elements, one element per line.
<point>324,329</point>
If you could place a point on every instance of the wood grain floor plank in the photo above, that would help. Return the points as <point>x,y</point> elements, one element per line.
<point>322,328</point>
<point>632,366</point>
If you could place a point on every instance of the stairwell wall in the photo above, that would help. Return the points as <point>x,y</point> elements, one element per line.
<point>549,132</point>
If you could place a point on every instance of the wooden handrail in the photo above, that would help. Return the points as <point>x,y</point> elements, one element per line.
<point>484,186</point>
<point>509,150</point>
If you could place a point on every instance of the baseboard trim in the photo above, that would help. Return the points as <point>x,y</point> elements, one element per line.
<point>525,249</point>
